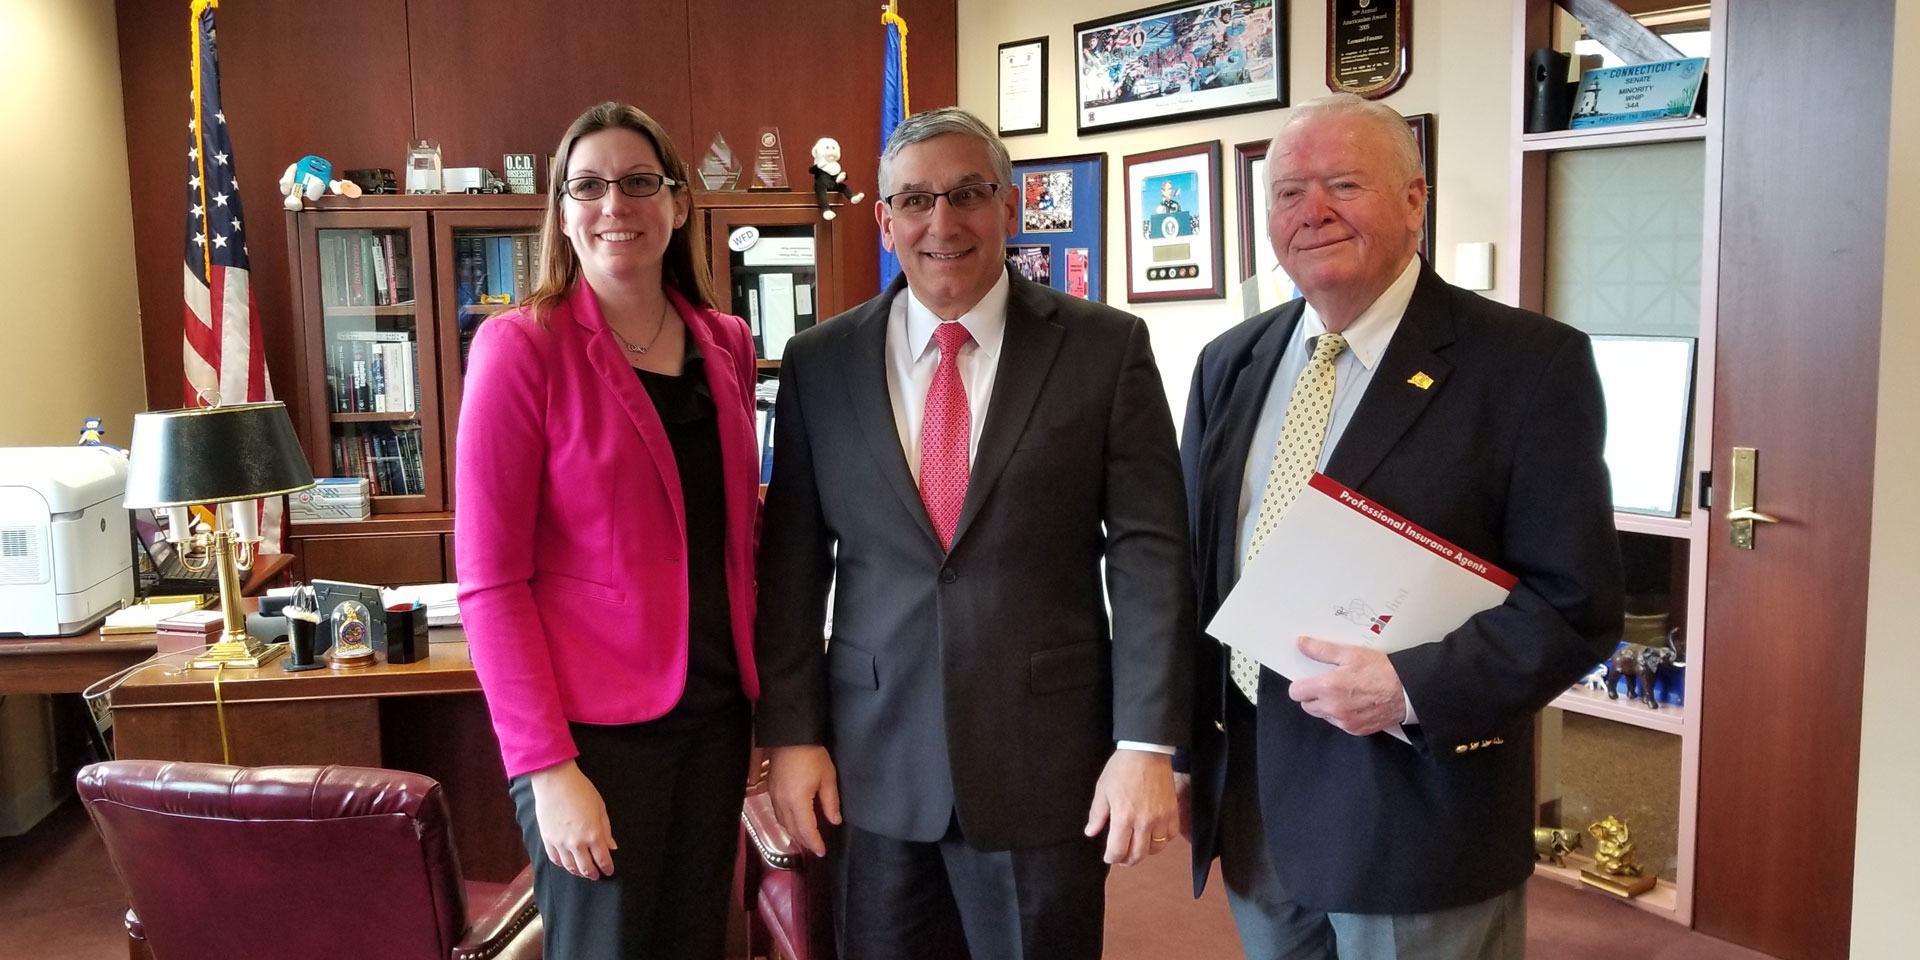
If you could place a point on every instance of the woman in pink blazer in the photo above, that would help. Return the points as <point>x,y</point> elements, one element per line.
<point>607,495</point>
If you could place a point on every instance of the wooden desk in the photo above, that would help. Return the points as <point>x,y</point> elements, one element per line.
<point>69,664</point>
<point>427,717</point>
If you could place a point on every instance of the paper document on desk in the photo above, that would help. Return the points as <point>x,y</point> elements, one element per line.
<point>1340,567</point>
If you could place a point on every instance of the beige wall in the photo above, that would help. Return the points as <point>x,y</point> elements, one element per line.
<point>1460,74</point>
<point>1885,922</point>
<point>70,337</point>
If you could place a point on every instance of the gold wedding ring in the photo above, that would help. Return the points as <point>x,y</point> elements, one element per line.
<point>1158,839</point>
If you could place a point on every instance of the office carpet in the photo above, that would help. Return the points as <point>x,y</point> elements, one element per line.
<point>59,900</point>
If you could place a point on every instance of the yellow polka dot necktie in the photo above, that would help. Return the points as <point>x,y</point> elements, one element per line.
<point>1295,458</point>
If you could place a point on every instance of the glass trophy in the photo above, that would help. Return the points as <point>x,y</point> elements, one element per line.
<point>719,170</point>
<point>423,167</point>
<point>769,163</point>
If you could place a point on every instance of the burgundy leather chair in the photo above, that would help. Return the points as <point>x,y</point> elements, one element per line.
<point>787,894</point>
<point>297,862</point>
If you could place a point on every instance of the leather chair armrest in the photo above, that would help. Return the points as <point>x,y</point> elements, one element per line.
<point>770,841</point>
<point>495,928</point>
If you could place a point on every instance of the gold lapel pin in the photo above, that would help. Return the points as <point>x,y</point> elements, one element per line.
<point>1420,380</point>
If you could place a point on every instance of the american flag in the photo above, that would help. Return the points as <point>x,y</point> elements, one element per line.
<point>224,362</point>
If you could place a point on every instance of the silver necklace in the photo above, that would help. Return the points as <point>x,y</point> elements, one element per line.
<point>642,348</point>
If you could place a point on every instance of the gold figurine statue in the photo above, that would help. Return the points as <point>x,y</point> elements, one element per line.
<point>1614,868</point>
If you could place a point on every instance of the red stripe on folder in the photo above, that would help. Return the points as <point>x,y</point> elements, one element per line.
<point>1352,500</point>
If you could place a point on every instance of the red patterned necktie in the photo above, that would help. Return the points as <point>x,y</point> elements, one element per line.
<point>945,430</point>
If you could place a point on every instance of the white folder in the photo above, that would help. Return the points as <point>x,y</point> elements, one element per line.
<point>1340,567</point>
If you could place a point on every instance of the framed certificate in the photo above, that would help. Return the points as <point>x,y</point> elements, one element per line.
<point>1023,87</point>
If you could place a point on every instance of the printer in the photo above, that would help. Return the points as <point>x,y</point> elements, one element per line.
<point>64,557</point>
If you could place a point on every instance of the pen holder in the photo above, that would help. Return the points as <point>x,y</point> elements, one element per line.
<point>300,639</point>
<point>406,633</point>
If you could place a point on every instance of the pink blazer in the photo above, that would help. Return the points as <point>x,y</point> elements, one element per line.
<point>570,527</point>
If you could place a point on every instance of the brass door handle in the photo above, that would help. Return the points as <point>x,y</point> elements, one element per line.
<point>1740,499</point>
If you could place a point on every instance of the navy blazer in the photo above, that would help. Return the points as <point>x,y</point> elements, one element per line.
<point>1497,448</point>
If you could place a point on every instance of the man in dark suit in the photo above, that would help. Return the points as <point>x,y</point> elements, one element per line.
<point>961,461</point>
<point>1484,425</point>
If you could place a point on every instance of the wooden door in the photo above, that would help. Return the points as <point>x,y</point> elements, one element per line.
<point>1802,239</point>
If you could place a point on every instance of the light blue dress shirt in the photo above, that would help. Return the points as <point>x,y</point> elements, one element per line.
<point>1367,339</point>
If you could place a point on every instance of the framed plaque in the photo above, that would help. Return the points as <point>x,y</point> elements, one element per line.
<point>1369,46</point>
<point>1179,61</point>
<point>1023,87</point>
<point>1173,224</point>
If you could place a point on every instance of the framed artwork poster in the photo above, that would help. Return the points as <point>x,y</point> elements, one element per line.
<point>1063,223</point>
<point>1173,224</point>
<point>1179,61</point>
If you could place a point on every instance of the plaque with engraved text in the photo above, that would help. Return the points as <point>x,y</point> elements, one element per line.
<point>1369,46</point>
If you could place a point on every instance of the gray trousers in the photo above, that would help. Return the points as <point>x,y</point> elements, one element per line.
<point>1274,927</point>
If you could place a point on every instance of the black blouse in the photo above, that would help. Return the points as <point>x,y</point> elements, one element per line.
<point>685,405</point>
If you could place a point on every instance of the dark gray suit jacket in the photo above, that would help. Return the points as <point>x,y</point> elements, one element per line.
<point>1500,453</point>
<point>984,682</point>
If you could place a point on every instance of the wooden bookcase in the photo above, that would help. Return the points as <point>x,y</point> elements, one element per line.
<point>768,220</point>
<point>1554,174</point>
<point>360,320</point>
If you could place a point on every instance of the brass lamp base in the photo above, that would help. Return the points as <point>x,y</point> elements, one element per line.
<point>238,653</point>
<point>1618,886</point>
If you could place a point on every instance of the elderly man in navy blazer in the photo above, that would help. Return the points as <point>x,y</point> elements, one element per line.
<point>979,467</point>
<point>1481,423</point>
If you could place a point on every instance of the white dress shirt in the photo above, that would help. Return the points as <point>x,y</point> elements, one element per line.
<point>1367,339</point>
<point>912,359</point>
<point>913,356</point>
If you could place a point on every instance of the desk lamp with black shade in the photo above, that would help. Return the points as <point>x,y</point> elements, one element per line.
<point>216,456</point>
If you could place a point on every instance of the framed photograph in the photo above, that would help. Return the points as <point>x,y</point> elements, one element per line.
<point>1033,262</point>
<point>1263,283</point>
<point>1063,212</point>
<point>1023,87</point>
<point>1180,61</point>
<point>1173,224</point>
<point>1423,125</point>
<point>1648,384</point>
<point>1046,201</point>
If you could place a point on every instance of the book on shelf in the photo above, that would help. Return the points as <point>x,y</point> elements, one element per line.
<point>374,252</point>
<point>373,371</point>
<point>520,254</point>
<point>361,268</point>
<point>389,457</point>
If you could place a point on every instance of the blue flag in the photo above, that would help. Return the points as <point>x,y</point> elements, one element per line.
<point>893,109</point>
